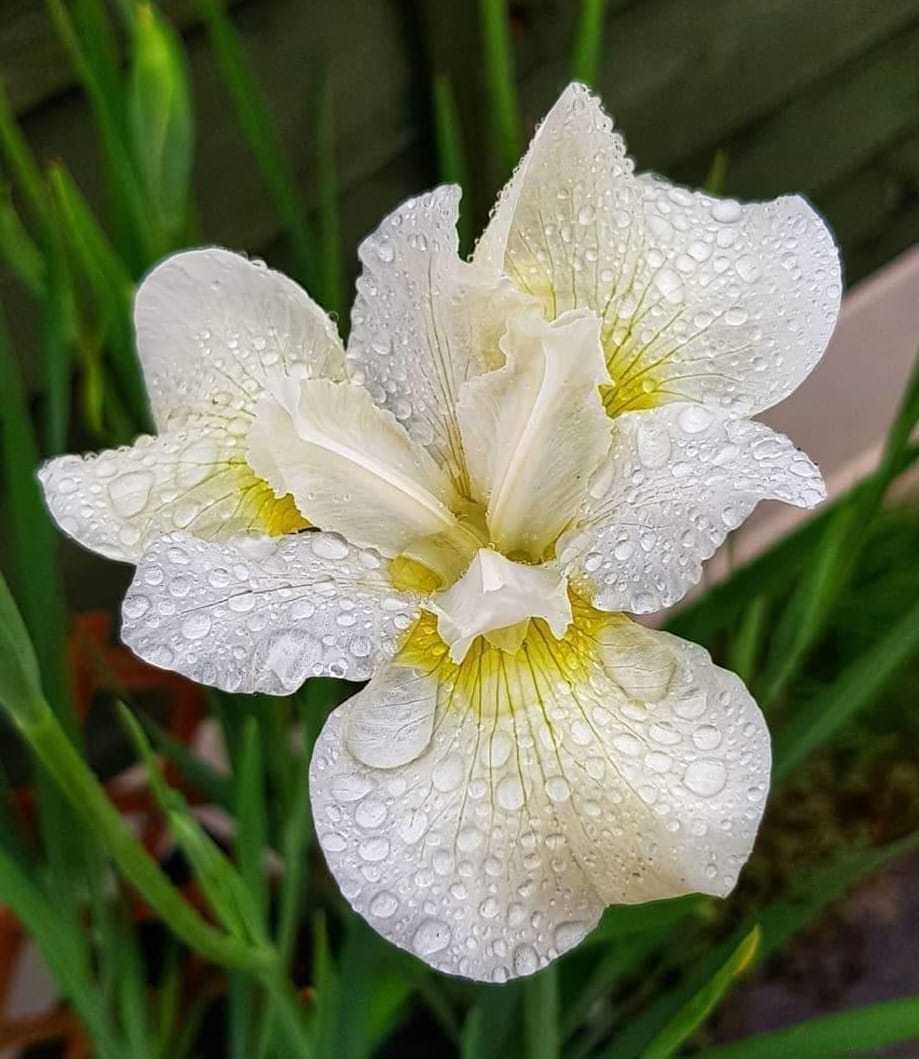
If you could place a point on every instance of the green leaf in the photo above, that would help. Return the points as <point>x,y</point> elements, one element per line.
<point>588,42</point>
<point>490,1021</point>
<point>20,682</point>
<point>693,1013</point>
<point>541,1014</point>
<point>451,155</point>
<point>855,688</point>
<point>17,247</point>
<point>160,113</point>
<point>717,176</point>
<point>257,124</point>
<point>500,84</point>
<point>805,615</point>
<point>251,835</point>
<point>864,1029</point>
<point>223,886</point>
<point>331,281</point>
<point>25,172</point>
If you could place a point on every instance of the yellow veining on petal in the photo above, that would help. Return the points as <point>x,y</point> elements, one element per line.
<point>490,674</point>
<point>266,512</point>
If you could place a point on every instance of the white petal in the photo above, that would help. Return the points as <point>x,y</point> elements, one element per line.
<point>424,321</point>
<point>351,466</point>
<point>496,594</point>
<point>730,305</point>
<point>562,226</point>
<point>213,326</point>
<point>118,501</point>
<point>541,796</point>
<point>535,430</point>
<point>263,614</point>
<point>701,299</point>
<point>677,480</point>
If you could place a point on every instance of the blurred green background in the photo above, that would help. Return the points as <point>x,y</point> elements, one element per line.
<point>288,128</point>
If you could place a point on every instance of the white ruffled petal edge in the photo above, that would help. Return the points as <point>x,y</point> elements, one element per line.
<point>264,614</point>
<point>492,848</point>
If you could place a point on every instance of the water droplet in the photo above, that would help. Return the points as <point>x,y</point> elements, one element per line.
<point>525,960</point>
<point>705,777</point>
<point>383,905</point>
<point>130,492</point>
<point>197,625</point>
<point>706,737</point>
<point>509,794</point>
<point>448,774</point>
<point>726,211</point>
<point>568,934</point>
<point>558,789</point>
<point>432,936</point>
<point>329,546</point>
<point>370,813</point>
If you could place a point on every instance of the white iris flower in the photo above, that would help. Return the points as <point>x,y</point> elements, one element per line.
<point>513,452</point>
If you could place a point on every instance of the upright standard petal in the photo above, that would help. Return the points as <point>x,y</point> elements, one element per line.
<point>424,322</point>
<point>352,466</point>
<point>676,481</point>
<point>616,765</point>
<point>213,327</point>
<point>535,429</point>
<point>701,299</point>
<point>118,501</point>
<point>264,615</point>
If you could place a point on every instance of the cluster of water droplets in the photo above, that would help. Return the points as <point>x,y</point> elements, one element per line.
<point>678,479</point>
<point>264,614</point>
<point>496,849</point>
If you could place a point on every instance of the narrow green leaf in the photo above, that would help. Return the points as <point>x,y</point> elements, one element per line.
<point>161,120</point>
<point>20,682</point>
<point>112,287</point>
<point>24,171</point>
<point>745,646</point>
<point>692,1014</point>
<point>327,986</point>
<point>257,125</point>
<point>491,1021</point>
<point>251,836</point>
<point>451,154</point>
<point>856,688</point>
<point>588,42</point>
<point>864,1029</point>
<point>225,889</point>
<point>32,537</point>
<point>331,288</point>
<point>541,1014</point>
<point>17,248</point>
<point>717,176</point>
<point>500,83</point>
<point>806,612</point>
<point>209,782</point>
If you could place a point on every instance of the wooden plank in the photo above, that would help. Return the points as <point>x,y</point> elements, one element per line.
<point>833,128</point>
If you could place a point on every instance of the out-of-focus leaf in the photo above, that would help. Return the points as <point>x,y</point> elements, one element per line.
<point>219,880</point>
<point>717,176</point>
<point>832,565</point>
<point>697,1009</point>
<point>331,288</point>
<point>20,683</point>
<point>619,921</point>
<point>160,113</point>
<point>588,42</point>
<point>861,1030</point>
<point>32,539</point>
<point>541,1014</point>
<point>501,86</point>
<point>856,687</point>
<point>256,122</point>
<point>17,247</point>
<point>451,155</point>
<point>489,1025</point>
<point>251,836</point>
<point>24,171</point>
<point>745,646</point>
<point>112,287</point>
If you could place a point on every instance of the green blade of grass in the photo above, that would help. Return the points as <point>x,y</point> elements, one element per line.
<point>251,835</point>
<point>112,287</point>
<point>500,83</point>
<point>588,42</point>
<point>856,688</point>
<point>806,612</point>
<point>17,248</point>
<point>161,120</point>
<point>451,154</point>
<point>541,1014</point>
<point>25,172</point>
<point>698,1008</point>
<point>865,1029</point>
<point>717,176</point>
<point>331,280</point>
<point>258,127</point>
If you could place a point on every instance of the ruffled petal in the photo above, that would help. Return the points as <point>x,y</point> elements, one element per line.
<point>213,327</point>
<point>677,480</point>
<point>528,791</point>
<point>424,321</point>
<point>535,430</point>
<point>262,614</point>
<point>352,467</point>
<point>701,299</point>
<point>119,501</point>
